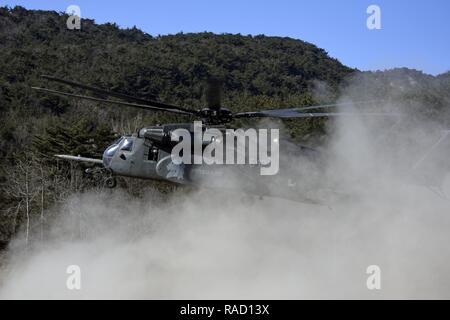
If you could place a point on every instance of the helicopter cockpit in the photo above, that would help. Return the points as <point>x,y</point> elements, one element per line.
<point>123,143</point>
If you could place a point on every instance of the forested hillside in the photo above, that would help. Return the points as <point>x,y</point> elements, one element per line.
<point>258,71</point>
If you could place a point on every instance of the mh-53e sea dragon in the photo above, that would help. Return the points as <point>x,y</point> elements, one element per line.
<point>147,154</point>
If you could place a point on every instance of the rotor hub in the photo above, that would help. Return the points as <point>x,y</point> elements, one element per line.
<point>216,116</point>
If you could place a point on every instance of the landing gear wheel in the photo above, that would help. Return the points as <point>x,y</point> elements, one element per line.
<point>111,182</point>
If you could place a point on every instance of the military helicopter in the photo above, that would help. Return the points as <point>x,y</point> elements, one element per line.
<point>146,154</point>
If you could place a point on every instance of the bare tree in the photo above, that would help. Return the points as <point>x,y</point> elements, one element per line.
<point>22,187</point>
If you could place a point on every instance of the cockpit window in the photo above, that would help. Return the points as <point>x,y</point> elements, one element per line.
<point>127,145</point>
<point>111,150</point>
<point>117,141</point>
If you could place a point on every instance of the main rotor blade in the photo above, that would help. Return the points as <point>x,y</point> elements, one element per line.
<point>333,105</point>
<point>118,95</point>
<point>293,113</point>
<point>213,93</point>
<point>128,104</point>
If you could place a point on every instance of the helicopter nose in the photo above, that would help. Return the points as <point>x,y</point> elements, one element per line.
<point>106,160</point>
<point>109,154</point>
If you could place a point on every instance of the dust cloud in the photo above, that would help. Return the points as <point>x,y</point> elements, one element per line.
<point>211,244</point>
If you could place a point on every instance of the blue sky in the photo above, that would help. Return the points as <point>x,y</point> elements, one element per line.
<point>414,34</point>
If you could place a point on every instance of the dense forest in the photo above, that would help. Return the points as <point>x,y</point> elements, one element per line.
<point>257,72</point>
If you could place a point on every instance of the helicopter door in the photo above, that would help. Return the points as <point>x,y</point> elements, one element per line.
<point>147,159</point>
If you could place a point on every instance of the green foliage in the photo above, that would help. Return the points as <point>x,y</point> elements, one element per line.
<point>259,72</point>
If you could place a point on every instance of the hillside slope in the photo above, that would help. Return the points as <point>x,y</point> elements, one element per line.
<point>258,71</point>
